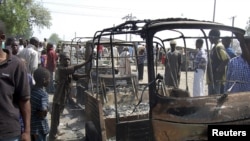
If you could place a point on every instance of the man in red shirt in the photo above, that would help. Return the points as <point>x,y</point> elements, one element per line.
<point>51,66</point>
<point>100,51</point>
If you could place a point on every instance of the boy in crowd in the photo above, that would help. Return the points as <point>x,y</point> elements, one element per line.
<point>39,105</point>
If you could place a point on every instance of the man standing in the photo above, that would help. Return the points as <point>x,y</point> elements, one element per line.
<point>226,41</point>
<point>21,45</point>
<point>15,95</point>
<point>45,43</point>
<point>141,59</point>
<point>216,74</point>
<point>200,64</point>
<point>173,66</point>
<point>100,51</point>
<point>115,56</point>
<point>51,65</point>
<point>238,71</point>
<point>125,62</point>
<point>31,55</point>
<point>64,75</point>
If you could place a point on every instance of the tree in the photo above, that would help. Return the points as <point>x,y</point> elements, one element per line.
<point>248,27</point>
<point>20,16</point>
<point>54,38</point>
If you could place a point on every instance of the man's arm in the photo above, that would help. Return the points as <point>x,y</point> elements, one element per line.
<point>25,109</point>
<point>77,76</point>
<point>224,59</point>
<point>81,65</point>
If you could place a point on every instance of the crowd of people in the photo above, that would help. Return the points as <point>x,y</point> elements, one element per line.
<point>29,70</point>
<point>223,70</point>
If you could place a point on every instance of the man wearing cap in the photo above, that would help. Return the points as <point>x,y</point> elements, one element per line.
<point>30,55</point>
<point>238,71</point>
<point>173,66</point>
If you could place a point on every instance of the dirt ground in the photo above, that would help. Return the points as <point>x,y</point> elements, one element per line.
<point>72,125</point>
<point>186,81</point>
<point>72,122</point>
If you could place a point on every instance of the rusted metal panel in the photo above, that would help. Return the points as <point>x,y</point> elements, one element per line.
<point>110,123</point>
<point>174,131</point>
<point>175,116</point>
<point>207,109</point>
<point>138,130</point>
<point>178,119</point>
<point>94,113</point>
<point>106,126</point>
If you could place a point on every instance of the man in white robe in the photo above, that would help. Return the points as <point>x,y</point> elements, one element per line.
<point>124,62</point>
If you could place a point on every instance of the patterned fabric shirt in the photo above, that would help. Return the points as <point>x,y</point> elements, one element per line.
<point>39,101</point>
<point>230,52</point>
<point>200,61</point>
<point>141,58</point>
<point>238,70</point>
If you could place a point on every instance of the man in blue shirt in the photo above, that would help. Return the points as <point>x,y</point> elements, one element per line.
<point>238,72</point>
<point>226,41</point>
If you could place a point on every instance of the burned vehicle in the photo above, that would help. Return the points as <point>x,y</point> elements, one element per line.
<point>163,113</point>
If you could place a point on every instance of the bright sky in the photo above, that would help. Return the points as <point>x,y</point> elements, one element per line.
<point>82,18</point>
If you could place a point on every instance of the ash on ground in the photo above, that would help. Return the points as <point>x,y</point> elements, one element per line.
<point>126,110</point>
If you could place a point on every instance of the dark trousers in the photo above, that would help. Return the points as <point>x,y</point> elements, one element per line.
<point>50,88</point>
<point>140,71</point>
<point>57,109</point>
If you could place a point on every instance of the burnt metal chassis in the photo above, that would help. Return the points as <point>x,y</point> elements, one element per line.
<point>163,116</point>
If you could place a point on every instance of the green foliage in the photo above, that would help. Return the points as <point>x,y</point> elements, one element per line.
<point>54,38</point>
<point>248,27</point>
<point>40,16</point>
<point>21,15</point>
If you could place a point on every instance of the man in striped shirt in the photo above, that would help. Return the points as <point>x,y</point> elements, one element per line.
<point>39,105</point>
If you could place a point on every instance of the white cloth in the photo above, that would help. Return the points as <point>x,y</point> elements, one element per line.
<point>82,50</point>
<point>39,51</point>
<point>66,49</point>
<point>115,52</point>
<point>115,55</point>
<point>31,57</point>
<point>124,64</point>
<point>21,47</point>
<point>105,52</point>
<point>198,85</point>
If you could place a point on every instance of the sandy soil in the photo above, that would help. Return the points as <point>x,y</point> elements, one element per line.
<point>186,82</point>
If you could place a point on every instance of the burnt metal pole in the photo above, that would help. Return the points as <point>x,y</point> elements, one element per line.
<point>214,10</point>
<point>127,17</point>
<point>233,19</point>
